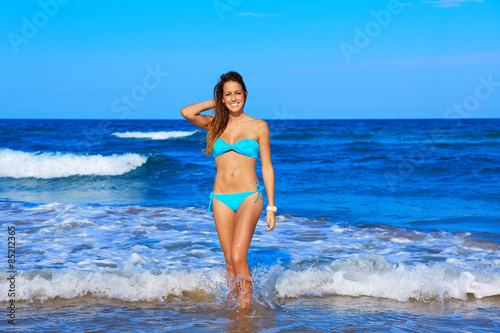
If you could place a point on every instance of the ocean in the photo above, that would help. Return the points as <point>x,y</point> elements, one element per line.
<point>382,226</point>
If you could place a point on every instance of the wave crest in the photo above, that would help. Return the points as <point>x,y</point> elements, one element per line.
<point>154,135</point>
<point>69,284</point>
<point>20,164</point>
<point>369,276</point>
<point>374,276</point>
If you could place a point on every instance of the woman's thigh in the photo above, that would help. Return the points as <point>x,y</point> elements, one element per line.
<point>224,223</point>
<point>246,219</point>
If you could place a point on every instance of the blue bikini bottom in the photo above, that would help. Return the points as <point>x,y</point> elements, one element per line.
<point>234,200</point>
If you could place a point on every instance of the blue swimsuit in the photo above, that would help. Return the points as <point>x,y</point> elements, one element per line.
<point>247,147</point>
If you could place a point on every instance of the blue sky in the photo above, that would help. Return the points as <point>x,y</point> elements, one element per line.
<point>318,59</point>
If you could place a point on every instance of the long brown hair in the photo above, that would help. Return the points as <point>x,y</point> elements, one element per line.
<point>219,122</point>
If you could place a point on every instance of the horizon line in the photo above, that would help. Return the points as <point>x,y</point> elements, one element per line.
<point>288,119</point>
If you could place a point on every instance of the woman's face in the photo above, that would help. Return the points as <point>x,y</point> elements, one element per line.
<point>233,96</point>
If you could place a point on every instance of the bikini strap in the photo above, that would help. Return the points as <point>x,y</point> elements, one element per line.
<point>210,202</point>
<point>260,188</point>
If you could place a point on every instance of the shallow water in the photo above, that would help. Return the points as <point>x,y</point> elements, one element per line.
<point>155,268</point>
<point>328,314</point>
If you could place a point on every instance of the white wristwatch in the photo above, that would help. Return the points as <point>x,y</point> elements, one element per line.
<point>272,208</point>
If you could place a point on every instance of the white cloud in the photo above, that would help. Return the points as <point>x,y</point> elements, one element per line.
<point>449,3</point>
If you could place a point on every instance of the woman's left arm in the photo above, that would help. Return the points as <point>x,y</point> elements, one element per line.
<point>267,171</point>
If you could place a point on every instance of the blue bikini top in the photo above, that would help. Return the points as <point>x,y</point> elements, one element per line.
<point>247,147</point>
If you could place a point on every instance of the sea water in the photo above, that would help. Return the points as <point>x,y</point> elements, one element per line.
<point>382,225</point>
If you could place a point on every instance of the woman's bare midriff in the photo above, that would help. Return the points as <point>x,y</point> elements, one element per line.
<point>235,173</point>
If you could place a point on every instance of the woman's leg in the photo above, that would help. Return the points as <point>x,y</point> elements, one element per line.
<point>224,223</point>
<point>245,222</point>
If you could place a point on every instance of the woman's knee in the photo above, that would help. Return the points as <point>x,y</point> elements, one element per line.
<point>238,258</point>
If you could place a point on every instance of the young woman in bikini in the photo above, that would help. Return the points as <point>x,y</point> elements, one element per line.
<point>235,140</point>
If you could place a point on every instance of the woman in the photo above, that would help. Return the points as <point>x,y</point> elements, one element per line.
<point>235,140</point>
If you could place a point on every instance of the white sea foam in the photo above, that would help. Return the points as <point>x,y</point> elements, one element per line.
<point>366,276</point>
<point>401,240</point>
<point>20,164</point>
<point>174,248</point>
<point>137,259</point>
<point>154,135</point>
<point>374,276</point>
<point>126,286</point>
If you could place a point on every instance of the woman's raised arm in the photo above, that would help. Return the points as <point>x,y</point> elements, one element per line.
<point>192,113</point>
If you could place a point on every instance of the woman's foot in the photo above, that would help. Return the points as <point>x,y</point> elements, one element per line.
<point>245,291</point>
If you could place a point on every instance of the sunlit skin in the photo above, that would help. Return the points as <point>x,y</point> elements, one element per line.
<point>235,174</point>
<point>234,94</point>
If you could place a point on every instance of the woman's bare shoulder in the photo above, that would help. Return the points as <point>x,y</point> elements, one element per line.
<point>261,128</point>
<point>261,125</point>
<point>256,121</point>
